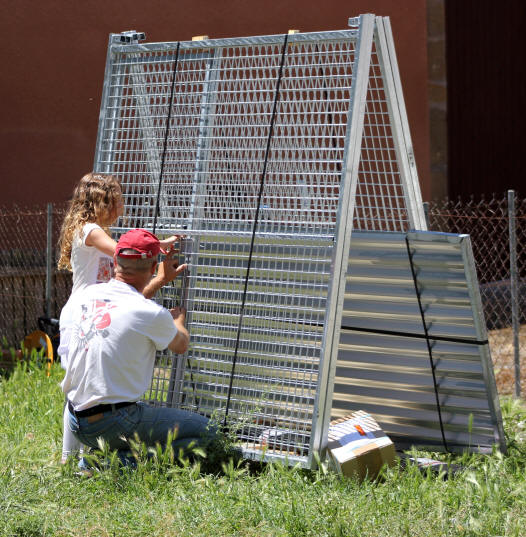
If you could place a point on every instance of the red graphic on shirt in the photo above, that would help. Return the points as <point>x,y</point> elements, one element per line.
<point>105,270</point>
<point>104,322</point>
<point>95,319</point>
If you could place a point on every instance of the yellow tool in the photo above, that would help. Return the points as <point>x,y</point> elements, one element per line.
<point>40,341</point>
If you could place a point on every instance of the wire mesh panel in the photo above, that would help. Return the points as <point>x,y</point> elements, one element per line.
<point>387,195</point>
<point>251,148</point>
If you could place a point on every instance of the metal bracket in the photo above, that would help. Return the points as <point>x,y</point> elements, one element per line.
<point>132,36</point>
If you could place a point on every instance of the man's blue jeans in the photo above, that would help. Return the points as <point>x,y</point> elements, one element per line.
<point>151,424</point>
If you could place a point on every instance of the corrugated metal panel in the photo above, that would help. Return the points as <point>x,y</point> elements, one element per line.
<point>385,360</point>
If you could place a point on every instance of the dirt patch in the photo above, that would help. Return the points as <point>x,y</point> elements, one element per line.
<point>502,354</point>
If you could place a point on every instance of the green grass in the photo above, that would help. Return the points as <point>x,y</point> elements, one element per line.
<point>38,497</point>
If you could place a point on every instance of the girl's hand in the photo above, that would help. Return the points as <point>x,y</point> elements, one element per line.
<point>168,245</point>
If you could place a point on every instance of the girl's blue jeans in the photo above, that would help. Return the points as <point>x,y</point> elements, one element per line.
<point>150,424</point>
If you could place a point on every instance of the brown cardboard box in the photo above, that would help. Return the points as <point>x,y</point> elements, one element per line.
<point>358,447</point>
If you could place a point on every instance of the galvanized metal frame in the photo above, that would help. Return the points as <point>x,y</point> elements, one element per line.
<point>397,111</point>
<point>290,339</point>
<point>482,335</point>
<point>382,45</point>
<point>351,161</point>
<point>107,121</point>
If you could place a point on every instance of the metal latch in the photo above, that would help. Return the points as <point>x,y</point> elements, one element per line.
<point>132,36</point>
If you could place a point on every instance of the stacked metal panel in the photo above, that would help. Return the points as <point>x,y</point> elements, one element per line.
<point>413,348</point>
<point>263,152</point>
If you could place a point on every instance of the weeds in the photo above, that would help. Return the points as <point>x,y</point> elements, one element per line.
<point>167,492</point>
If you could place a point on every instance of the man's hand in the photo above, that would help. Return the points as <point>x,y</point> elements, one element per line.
<point>178,314</point>
<point>168,270</point>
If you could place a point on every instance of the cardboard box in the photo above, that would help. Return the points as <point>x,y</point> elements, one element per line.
<point>358,447</point>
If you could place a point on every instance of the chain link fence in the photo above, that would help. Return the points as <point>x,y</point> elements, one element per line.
<point>497,227</point>
<point>31,286</point>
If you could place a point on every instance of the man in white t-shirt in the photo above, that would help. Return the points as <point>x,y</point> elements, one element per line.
<point>114,335</point>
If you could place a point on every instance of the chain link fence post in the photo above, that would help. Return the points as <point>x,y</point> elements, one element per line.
<point>49,259</point>
<point>497,227</point>
<point>514,290</point>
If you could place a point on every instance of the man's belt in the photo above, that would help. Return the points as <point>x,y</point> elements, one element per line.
<point>99,409</point>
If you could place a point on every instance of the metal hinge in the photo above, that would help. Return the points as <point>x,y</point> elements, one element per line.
<point>132,36</point>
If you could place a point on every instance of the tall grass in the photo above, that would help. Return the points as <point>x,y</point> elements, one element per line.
<point>39,497</point>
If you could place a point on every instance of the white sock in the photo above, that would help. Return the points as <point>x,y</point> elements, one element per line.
<point>70,444</point>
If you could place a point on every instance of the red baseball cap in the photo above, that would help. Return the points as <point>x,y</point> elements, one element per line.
<point>145,243</point>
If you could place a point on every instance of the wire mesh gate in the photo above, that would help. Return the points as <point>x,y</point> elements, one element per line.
<point>264,152</point>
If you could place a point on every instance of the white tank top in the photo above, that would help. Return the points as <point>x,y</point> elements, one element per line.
<point>89,265</point>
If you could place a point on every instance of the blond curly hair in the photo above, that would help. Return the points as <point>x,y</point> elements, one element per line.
<point>94,200</point>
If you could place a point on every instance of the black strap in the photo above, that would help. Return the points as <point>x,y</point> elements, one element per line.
<point>161,173</point>
<point>254,226</point>
<point>414,335</point>
<point>428,342</point>
<point>165,145</point>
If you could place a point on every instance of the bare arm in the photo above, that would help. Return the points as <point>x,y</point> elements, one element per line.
<point>102,241</point>
<point>179,343</point>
